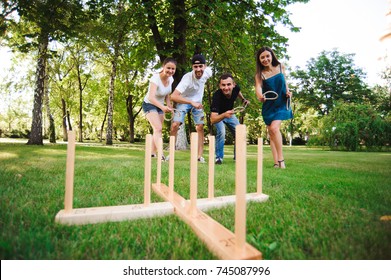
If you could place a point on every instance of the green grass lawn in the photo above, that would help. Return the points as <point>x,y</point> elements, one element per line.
<point>325,205</point>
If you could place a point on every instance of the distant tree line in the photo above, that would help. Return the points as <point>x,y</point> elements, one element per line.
<point>92,60</point>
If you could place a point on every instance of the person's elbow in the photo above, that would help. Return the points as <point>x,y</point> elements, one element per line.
<point>174,97</point>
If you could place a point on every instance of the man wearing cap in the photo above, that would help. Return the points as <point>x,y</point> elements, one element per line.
<point>188,96</point>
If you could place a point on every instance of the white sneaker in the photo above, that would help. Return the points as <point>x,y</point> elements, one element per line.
<point>201,160</point>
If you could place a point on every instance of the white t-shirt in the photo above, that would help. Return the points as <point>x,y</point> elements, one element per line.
<point>161,90</point>
<point>192,88</point>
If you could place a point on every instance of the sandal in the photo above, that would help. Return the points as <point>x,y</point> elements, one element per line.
<point>281,164</point>
<point>276,165</point>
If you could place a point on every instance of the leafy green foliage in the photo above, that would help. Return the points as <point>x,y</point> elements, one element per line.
<point>350,126</point>
<point>329,78</point>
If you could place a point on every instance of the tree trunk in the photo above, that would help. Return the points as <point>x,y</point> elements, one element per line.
<point>103,123</point>
<point>80,104</point>
<point>52,129</point>
<point>179,47</point>
<point>129,108</point>
<point>110,108</point>
<point>64,120</point>
<point>69,120</point>
<point>181,142</point>
<point>36,126</point>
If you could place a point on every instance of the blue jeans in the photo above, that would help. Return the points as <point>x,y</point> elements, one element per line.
<point>231,123</point>
<point>183,109</point>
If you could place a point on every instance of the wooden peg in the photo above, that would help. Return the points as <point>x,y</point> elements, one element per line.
<point>70,171</point>
<point>260,166</point>
<point>193,171</point>
<point>171,167</point>
<point>241,186</point>
<point>147,170</point>
<point>211,177</point>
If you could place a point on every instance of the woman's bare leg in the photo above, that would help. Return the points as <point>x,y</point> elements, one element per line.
<point>276,142</point>
<point>156,122</point>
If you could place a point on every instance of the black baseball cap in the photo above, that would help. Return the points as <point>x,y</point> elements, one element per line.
<point>198,59</point>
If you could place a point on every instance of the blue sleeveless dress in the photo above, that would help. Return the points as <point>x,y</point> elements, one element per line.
<point>275,109</point>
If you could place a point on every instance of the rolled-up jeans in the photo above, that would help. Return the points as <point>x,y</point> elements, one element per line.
<point>231,123</point>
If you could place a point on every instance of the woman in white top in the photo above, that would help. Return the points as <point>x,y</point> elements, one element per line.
<point>159,91</point>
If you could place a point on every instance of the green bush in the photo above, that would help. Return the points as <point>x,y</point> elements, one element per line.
<point>353,126</point>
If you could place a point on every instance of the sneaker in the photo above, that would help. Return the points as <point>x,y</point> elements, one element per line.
<point>201,160</point>
<point>163,157</point>
<point>218,161</point>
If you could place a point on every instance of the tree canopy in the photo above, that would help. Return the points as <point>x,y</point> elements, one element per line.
<point>93,59</point>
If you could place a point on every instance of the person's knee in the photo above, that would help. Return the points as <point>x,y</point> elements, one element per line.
<point>157,127</point>
<point>157,130</point>
<point>274,129</point>
<point>175,126</point>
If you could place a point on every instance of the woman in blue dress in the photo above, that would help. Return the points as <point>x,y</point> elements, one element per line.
<point>270,76</point>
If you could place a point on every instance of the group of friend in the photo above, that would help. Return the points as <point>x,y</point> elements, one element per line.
<point>188,95</point>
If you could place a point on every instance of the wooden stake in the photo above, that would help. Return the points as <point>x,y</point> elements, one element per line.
<point>241,187</point>
<point>171,167</point>
<point>70,171</point>
<point>159,161</point>
<point>211,178</point>
<point>260,166</point>
<point>193,171</point>
<point>147,170</point>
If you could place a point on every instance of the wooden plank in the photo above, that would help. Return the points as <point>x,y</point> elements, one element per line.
<point>220,241</point>
<point>171,163</point>
<point>205,204</point>
<point>211,177</point>
<point>159,161</point>
<point>193,171</point>
<point>93,215</point>
<point>260,166</point>
<point>240,185</point>
<point>147,170</point>
<point>70,172</point>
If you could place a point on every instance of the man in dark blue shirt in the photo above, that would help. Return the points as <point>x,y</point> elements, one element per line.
<point>222,112</point>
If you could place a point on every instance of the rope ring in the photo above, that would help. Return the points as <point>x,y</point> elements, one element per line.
<point>289,103</point>
<point>270,92</point>
<point>240,109</point>
<point>171,114</point>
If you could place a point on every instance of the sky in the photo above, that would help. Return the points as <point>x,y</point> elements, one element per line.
<point>350,26</point>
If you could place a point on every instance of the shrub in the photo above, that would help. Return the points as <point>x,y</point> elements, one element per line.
<point>351,126</point>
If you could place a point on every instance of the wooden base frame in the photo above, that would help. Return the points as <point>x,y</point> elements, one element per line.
<point>221,241</point>
<point>93,215</point>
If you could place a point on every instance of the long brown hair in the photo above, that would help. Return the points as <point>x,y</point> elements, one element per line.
<point>260,67</point>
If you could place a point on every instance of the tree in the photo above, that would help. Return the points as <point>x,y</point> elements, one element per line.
<point>112,28</point>
<point>329,78</point>
<point>127,37</point>
<point>228,33</point>
<point>39,23</point>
